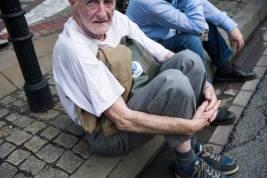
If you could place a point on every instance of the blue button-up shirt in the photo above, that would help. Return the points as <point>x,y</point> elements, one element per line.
<point>159,19</point>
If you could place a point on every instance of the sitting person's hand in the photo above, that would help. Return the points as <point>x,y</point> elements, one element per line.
<point>235,36</point>
<point>210,96</point>
<point>203,117</point>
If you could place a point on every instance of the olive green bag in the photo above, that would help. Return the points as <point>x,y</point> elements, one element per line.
<point>148,63</point>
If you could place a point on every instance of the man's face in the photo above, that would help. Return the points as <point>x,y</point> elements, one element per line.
<point>95,15</point>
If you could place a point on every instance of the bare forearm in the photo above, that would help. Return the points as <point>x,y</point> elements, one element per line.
<point>140,122</point>
<point>155,124</point>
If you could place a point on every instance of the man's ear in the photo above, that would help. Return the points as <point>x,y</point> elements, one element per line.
<point>73,4</point>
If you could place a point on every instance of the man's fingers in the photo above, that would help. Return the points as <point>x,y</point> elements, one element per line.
<point>207,95</point>
<point>213,117</point>
<point>212,103</point>
<point>203,106</point>
<point>232,43</point>
<point>213,112</point>
<point>206,116</point>
<point>217,105</point>
<point>240,45</point>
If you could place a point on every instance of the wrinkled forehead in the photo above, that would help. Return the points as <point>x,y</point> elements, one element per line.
<point>85,3</point>
<point>96,0</point>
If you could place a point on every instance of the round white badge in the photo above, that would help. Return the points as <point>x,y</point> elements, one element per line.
<point>137,69</point>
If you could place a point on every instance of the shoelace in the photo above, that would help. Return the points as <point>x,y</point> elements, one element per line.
<point>203,170</point>
<point>207,152</point>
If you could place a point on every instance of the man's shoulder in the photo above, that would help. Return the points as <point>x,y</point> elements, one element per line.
<point>74,43</point>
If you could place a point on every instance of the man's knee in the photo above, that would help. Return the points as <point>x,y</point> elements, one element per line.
<point>190,60</point>
<point>193,39</point>
<point>176,82</point>
<point>192,42</point>
<point>175,96</point>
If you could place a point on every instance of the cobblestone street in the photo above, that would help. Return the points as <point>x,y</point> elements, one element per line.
<point>38,140</point>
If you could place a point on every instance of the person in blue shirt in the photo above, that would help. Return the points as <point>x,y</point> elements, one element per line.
<point>177,25</point>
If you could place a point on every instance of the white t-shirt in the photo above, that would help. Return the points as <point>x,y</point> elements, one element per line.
<point>80,77</point>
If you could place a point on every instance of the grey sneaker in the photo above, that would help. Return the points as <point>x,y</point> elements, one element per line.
<point>219,162</point>
<point>199,169</point>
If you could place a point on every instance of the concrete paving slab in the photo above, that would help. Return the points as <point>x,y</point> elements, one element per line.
<point>237,110</point>
<point>32,165</point>
<point>49,172</point>
<point>98,166</point>
<point>242,98</point>
<point>134,162</point>
<point>69,162</point>
<point>18,137</point>
<point>226,101</point>
<point>204,135</point>
<point>14,74</point>
<point>50,153</point>
<point>23,121</point>
<point>260,71</point>
<point>45,63</point>
<point>7,170</point>
<point>8,59</point>
<point>251,85</point>
<point>66,140</point>
<point>262,61</point>
<point>83,149</point>
<point>6,148</point>
<point>18,156</point>
<point>6,87</point>
<point>50,133</point>
<point>233,88</point>
<point>35,144</point>
<point>44,45</point>
<point>219,88</point>
<point>220,135</point>
<point>35,127</point>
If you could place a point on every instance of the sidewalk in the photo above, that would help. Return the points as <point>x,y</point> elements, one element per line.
<point>49,145</point>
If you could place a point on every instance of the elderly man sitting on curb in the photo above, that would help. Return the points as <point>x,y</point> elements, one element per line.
<point>177,103</point>
<point>161,19</point>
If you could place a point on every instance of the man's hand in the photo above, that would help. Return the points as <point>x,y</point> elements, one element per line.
<point>203,117</point>
<point>210,97</point>
<point>235,36</point>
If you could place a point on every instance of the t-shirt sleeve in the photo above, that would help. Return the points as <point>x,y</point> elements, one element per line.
<point>133,31</point>
<point>95,81</point>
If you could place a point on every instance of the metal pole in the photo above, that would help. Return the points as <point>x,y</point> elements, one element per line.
<point>36,87</point>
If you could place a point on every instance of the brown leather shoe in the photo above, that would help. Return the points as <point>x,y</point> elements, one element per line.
<point>236,75</point>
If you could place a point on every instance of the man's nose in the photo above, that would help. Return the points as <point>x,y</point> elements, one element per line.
<point>101,13</point>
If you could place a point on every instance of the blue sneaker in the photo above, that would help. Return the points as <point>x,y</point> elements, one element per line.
<point>199,169</point>
<point>219,162</point>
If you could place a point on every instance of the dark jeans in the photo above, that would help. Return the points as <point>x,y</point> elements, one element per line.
<point>216,46</point>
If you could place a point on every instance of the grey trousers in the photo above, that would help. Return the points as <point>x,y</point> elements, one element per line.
<point>177,91</point>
